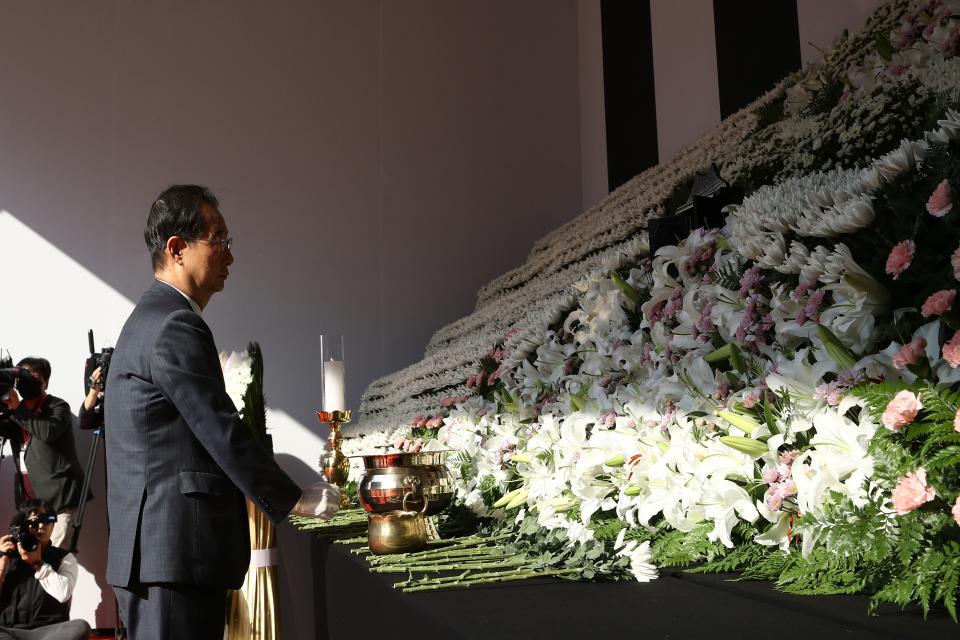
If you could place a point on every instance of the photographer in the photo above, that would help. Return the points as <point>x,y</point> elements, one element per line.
<point>36,581</point>
<point>49,467</point>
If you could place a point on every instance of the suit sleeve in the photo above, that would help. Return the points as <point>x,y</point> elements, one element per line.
<point>186,369</point>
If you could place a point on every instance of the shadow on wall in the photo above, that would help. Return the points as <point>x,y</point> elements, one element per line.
<point>54,326</point>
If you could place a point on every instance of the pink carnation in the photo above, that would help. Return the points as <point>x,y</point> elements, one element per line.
<point>787,457</point>
<point>956,510</point>
<point>773,498</point>
<point>901,411</point>
<point>956,421</point>
<point>900,258</point>
<point>910,353</point>
<point>941,201</point>
<point>951,351</point>
<point>955,263</point>
<point>434,422</point>
<point>938,303</point>
<point>912,491</point>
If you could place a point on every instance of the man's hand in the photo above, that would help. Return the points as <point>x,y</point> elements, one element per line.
<point>320,500</point>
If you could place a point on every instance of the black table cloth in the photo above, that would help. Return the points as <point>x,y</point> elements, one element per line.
<point>351,602</point>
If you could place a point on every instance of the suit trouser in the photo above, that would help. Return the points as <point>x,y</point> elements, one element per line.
<point>168,610</point>
<point>72,630</point>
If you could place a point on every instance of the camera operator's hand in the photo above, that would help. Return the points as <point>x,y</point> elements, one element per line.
<point>94,394</point>
<point>6,546</point>
<point>13,399</point>
<point>320,500</point>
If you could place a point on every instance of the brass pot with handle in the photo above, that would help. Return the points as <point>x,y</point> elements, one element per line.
<point>398,531</point>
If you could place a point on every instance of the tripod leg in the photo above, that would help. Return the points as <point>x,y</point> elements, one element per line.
<point>87,476</point>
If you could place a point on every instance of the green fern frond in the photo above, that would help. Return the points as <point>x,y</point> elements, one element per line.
<point>948,457</point>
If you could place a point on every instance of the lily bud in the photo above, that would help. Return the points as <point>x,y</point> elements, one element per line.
<point>663,446</point>
<point>748,446</point>
<point>835,348</point>
<point>632,490</point>
<point>742,422</point>
<point>519,499</point>
<point>615,461</point>
<point>505,499</point>
<point>631,293</point>
<point>718,354</point>
<point>561,504</point>
<point>577,402</point>
<point>521,456</point>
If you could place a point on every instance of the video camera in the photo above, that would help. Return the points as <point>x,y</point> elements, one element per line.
<point>96,360</point>
<point>22,530</point>
<point>10,376</point>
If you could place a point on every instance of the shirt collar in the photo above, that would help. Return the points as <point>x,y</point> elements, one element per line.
<point>193,305</point>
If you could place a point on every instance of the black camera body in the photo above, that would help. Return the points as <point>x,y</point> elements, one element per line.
<point>21,535</point>
<point>97,360</point>
<point>21,530</point>
<point>10,378</point>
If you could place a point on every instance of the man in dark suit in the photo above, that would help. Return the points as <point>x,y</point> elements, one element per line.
<point>49,467</point>
<point>179,458</point>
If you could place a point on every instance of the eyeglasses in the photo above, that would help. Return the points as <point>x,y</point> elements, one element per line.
<point>224,244</point>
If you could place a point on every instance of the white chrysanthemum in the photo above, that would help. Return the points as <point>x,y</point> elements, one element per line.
<point>237,375</point>
<point>640,558</point>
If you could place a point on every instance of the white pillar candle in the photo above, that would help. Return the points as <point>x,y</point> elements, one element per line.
<point>333,388</point>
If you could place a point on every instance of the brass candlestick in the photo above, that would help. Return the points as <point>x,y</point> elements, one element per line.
<point>336,468</point>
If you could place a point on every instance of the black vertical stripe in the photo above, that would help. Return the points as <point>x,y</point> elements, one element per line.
<point>628,90</point>
<point>758,44</point>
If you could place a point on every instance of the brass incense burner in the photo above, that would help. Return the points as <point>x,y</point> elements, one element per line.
<point>388,478</point>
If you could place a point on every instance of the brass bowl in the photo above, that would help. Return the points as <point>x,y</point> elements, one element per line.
<point>398,531</point>
<point>382,489</point>
<point>418,459</point>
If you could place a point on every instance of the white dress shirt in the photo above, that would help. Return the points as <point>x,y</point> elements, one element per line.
<point>193,305</point>
<point>59,584</point>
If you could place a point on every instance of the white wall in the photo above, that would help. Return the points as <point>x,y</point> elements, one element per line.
<point>685,72</point>
<point>593,130</point>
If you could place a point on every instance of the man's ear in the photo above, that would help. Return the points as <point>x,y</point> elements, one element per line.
<point>174,249</point>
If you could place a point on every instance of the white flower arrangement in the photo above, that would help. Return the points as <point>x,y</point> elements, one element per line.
<point>520,298</point>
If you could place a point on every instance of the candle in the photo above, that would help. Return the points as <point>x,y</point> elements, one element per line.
<point>333,387</point>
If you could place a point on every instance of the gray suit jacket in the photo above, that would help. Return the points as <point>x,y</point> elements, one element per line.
<point>179,459</point>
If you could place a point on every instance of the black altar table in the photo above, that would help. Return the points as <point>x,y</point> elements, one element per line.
<point>350,602</point>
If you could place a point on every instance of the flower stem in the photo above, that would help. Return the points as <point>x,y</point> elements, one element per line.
<point>486,579</point>
<point>428,568</point>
